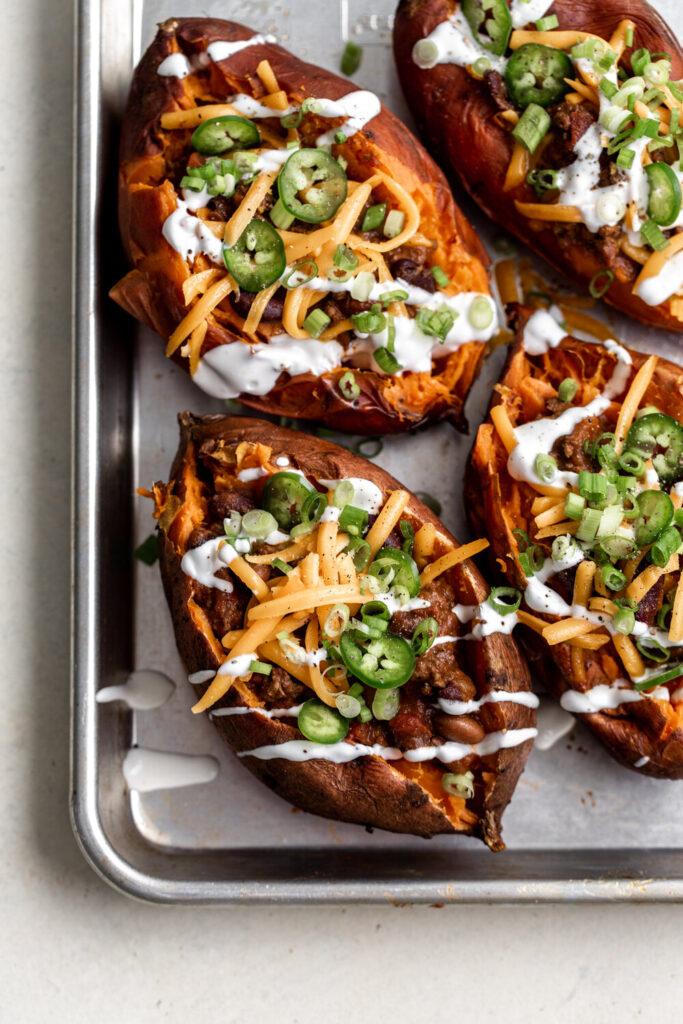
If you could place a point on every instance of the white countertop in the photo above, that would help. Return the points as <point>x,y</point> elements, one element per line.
<point>73,950</point>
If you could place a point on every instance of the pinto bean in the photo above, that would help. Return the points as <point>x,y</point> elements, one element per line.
<point>459,728</point>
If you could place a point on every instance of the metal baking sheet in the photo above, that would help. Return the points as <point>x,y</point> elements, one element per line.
<point>579,827</point>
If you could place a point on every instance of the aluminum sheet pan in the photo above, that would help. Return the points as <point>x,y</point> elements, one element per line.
<point>579,827</point>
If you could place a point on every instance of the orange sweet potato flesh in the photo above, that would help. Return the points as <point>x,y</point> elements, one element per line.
<point>456,117</point>
<point>497,504</point>
<point>153,290</point>
<point>395,795</point>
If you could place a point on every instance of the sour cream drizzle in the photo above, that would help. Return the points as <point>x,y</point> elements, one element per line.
<point>221,49</point>
<point>490,621</point>
<point>230,370</point>
<point>176,65</point>
<point>604,697</point>
<point>522,13</point>
<point>468,707</point>
<point>273,713</point>
<point>142,691</point>
<point>343,752</point>
<point>539,436</point>
<point>452,42</point>
<point>147,770</point>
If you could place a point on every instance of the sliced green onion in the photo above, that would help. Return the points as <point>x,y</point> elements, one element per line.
<point>624,621</point>
<point>612,577</point>
<point>532,127</point>
<point>652,649</point>
<point>505,600</point>
<point>370,447</point>
<point>316,322</point>
<point>440,277</point>
<point>374,217</point>
<point>232,524</point>
<point>632,464</point>
<point>394,223</point>
<point>567,389</point>
<point>430,501</point>
<point>625,158</point>
<point>640,60</point>
<point>347,706</point>
<point>662,616</point>
<point>665,546</point>
<point>360,552</point>
<point>343,494</point>
<point>313,507</point>
<point>548,23</point>
<point>607,87</point>
<point>600,283</point>
<point>281,217</point>
<point>480,313</point>
<point>365,714</point>
<point>546,467</point>
<point>261,666</point>
<point>436,323</point>
<point>522,538</point>
<point>385,704</point>
<point>349,386</point>
<point>461,785</point>
<point>339,138</point>
<point>588,527</point>
<point>629,36</point>
<point>481,66</point>
<point>592,486</point>
<point>615,546</point>
<point>363,284</point>
<point>654,236</point>
<point>259,524</point>
<point>532,560</point>
<point>345,258</point>
<point>351,58</point>
<point>665,677</point>
<point>304,272</point>
<point>277,563</point>
<point>562,547</point>
<point>424,636</point>
<point>408,533</point>
<point>292,120</point>
<point>574,505</point>
<point>375,610</point>
<point>148,551</point>
<point>657,72</point>
<point>387,362</point>
<point>610,520</point>
<point>337,620</point>
<point>397,295</point>
<point>353,520</point>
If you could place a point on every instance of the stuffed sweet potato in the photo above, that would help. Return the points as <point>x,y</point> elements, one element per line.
<point>568,137</point>
<point>291,241</point>
<point>342,643</point>
<point>575,477</point>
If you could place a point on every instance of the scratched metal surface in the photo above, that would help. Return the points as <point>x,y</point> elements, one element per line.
<point>579,826</point>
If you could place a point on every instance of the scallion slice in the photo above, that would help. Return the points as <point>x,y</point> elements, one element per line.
<point>546,467</point>
<point>567,389</point>
<point>424,636</point>
<point>348,386</point>
<point>574,505</point>
<point>351,58</point>
<point>345,258</point>
<point>624,621</point>
<point>654,236</point>
<point>588,527</point>
<point>387,361</point>
<point>652,649</point>
<point>303,273</point>
<point>440,277</point>
<point>262,667</point>
<point>374,217</point>
<point>353,520</point>
<point>665,546</point>
<point>600,283</point>
<point>547,24</point>
<point>592,486</point>
<point>394,223</point>
<point>532,127</point>
<point>612,577</point>
<point>316,322</point>
<point>259,524</point>
<point>505,600</point>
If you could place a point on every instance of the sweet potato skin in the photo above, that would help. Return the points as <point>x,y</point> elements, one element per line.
<point>368,791</point>
<point>152,291</point>
<point>494,506</point>
<point>456,117</point>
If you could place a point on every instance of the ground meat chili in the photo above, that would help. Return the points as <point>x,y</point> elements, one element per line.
<point>570,451</point>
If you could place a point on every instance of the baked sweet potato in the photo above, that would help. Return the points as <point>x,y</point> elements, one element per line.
<point>363,336</point>
<point>574,478</point>
<point>330,652</point>
<point>580,180</point>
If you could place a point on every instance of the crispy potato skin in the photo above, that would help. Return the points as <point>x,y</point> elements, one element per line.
<point>152,290</point>
<point>456,117</point>
<point>494,505</point>
<point>368,791</point>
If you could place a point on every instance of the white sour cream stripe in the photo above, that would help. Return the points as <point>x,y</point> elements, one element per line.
<point>469,707</point>
<point>523,12</point>
<point>452,42</point>
<point>221,49</point>
<point>539,436</point>
<point>273,713</point>
<point>489,620</point>
<point>176,65</point>
<point>230,370</point>
<point>604,697</point>
<point>366,495</point>
<point>343,752</point>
